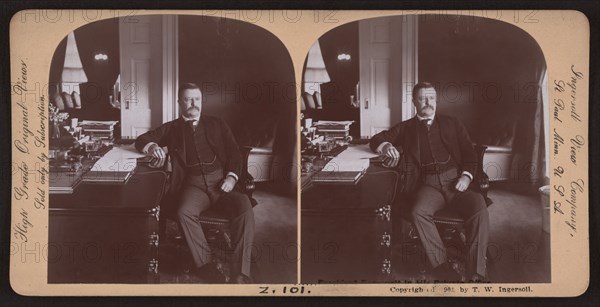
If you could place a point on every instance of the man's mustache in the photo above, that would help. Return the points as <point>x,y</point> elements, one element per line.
<point>193,107</point>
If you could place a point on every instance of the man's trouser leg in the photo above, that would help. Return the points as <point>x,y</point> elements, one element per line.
<point>427,202</point>
<point>238,208</point>
<point>194,200</point>
<point>473,210</point>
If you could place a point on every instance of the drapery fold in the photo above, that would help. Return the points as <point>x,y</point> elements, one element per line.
<point>538,152</point>
<point>530,147</point>
<point>97,40</point>
<point>56,68</point>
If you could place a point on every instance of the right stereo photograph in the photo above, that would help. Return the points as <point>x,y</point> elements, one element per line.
<point>423,153</point>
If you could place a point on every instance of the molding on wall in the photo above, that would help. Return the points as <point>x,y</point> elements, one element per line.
<point>410,62</point>
<point>170,66</point>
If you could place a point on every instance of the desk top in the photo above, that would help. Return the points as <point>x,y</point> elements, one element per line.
<point>142,191</point>
<point>376,189</point>
<point>353,159</point>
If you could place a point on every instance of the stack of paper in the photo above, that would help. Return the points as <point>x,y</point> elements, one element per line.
<point>99,129</point>
<point>333,129</point>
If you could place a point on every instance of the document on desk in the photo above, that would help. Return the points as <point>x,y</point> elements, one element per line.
<point>354,158</point>
<point>124,152</point>
<point>115,166</point>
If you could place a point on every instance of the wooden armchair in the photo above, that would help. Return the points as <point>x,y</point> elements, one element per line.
<point>215,223</point>
<point>450,225</point>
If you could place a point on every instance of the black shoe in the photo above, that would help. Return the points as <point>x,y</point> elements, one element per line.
<point>445,273</point>
<point>213,273</point>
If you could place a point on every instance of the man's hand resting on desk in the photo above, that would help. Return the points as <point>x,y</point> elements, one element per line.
<point>390,151</point>
<point>392,155</point>
<point>390,162</point>
<point>157,163</point>
<point>463,183</point>
<point>156,152</point>
<point>228,184</point>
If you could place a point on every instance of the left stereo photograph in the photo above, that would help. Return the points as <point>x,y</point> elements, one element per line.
<point>171,154</point>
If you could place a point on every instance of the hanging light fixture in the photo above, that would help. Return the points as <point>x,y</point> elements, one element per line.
<point>101,57</point>
<point>343,57</point>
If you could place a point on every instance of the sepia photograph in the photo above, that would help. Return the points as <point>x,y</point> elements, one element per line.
<point>172,153</point>
<point>246,153</point>
<point>425,153</point>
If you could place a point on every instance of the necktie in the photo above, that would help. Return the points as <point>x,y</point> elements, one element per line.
<point>190,149</point>
<point>191,123</point>
<point>427,122</point>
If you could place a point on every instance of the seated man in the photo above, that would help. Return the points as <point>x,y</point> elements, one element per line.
<point>206,165</point>
<point>444,162</point>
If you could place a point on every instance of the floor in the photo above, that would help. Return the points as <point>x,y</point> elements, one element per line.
<point>519,251</point>
<point>274,253</point>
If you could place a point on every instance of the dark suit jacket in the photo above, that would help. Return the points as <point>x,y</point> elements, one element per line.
<point>171,135</point>
<point>404,136</point>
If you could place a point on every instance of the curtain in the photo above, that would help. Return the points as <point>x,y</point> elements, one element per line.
<point>338,75</point>
<point>73,73</point>
<point>56,68</point>
<point>329,50</point>
<point>344,74</point>
<point>538,152</point>
<point>530,148</point>
<point>99,38</point>
<point>314,68</point>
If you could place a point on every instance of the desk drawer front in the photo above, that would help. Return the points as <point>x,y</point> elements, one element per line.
<point>346,248</point>
<point>103,248</point>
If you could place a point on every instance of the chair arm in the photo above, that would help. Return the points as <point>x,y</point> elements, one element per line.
<point>481,179</point>
<point>246,181</point>
<point>247,184</point>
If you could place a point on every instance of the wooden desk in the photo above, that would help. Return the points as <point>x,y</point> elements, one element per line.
<point>346,230</point>
<point>305,178</point>
<point>106,233</point>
